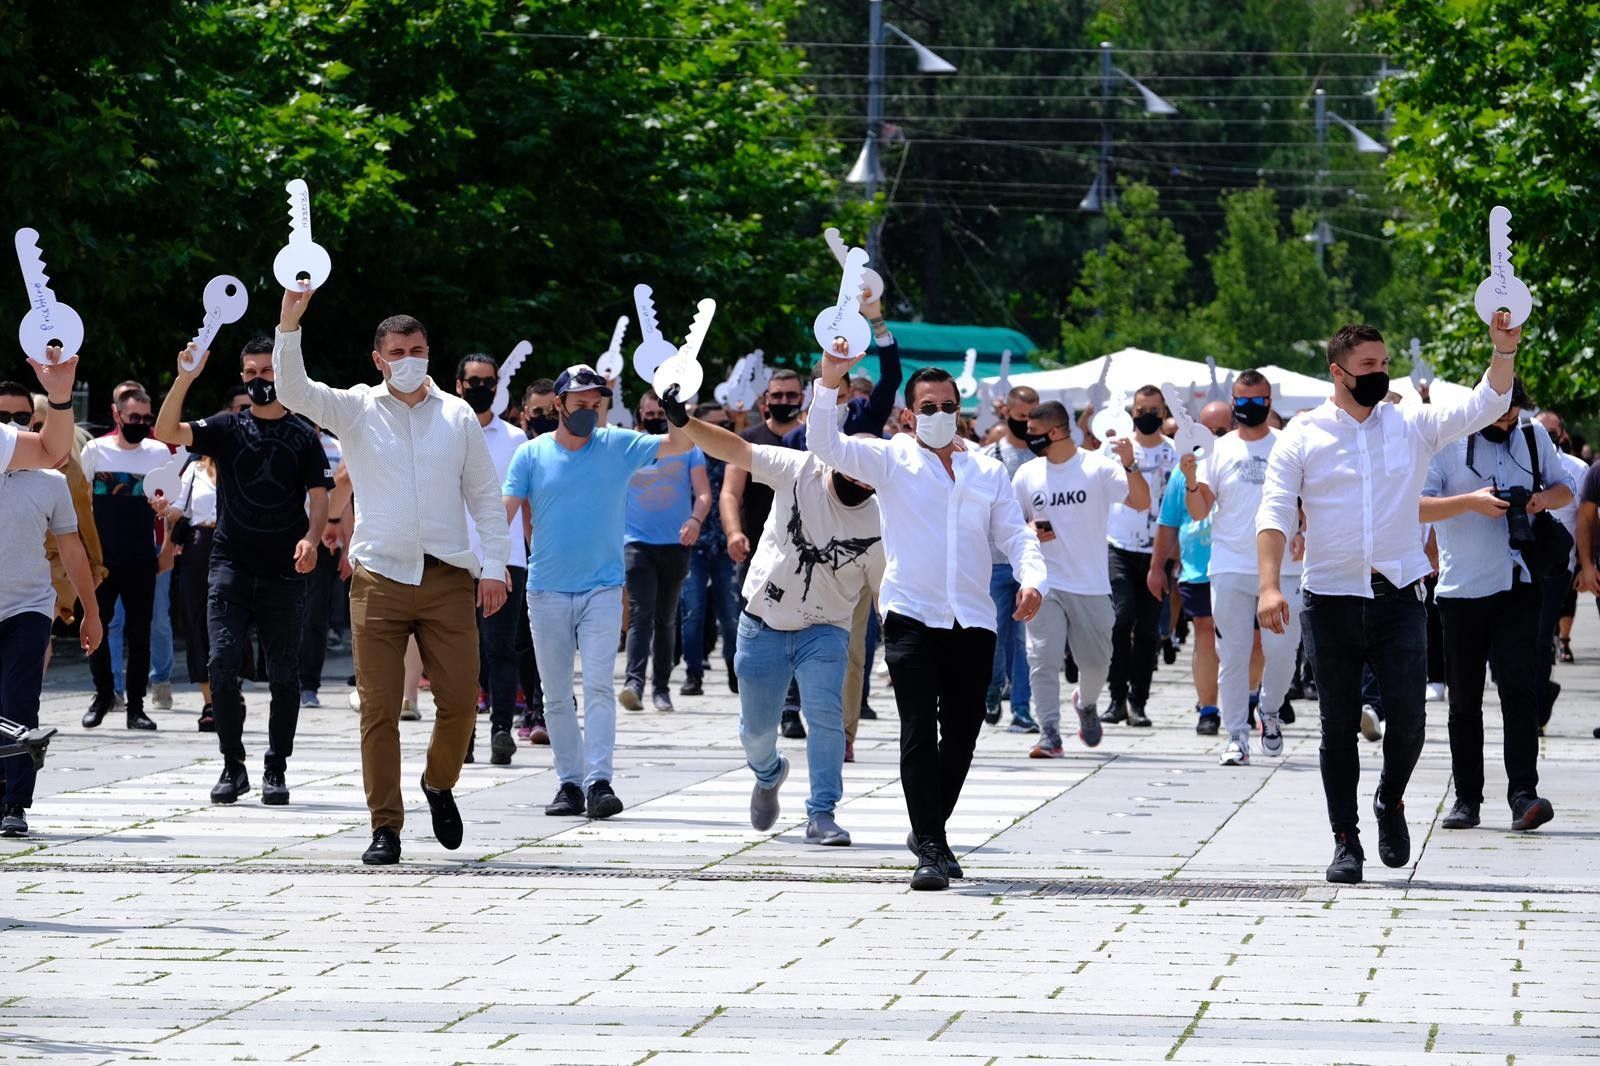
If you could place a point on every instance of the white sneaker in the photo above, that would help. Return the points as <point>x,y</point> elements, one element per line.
<point>161,696</point>
<point>1435,692</point>
<point>1271,735</point>
<point>409,712</point>
<point>1371,724</point>
<point>355,700</point>
<point>1237,752</point>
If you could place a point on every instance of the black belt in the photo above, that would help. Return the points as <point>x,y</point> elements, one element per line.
<point>1383,588</point>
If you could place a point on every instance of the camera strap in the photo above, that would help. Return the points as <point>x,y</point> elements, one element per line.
<point>1533,457</point>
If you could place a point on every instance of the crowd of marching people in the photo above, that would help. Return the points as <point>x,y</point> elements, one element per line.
<point>1375,555</point>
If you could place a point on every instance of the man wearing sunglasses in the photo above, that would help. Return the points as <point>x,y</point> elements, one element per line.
<point>1228,489</point>
<point>576,482</point>
<point>942,505</point>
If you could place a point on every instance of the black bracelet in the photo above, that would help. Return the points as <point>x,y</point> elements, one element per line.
<point>67,406</point>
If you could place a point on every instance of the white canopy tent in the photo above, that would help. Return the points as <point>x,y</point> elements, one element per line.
<point>1131,368</point>
<point>1293,392</point>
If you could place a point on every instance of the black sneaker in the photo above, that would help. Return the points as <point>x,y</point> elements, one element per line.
<point>733,683</point>
<point>869,715</point>
<point>233,783</point>
<point>1208,725</point>
<point>603,802</point>
<point>384,849</point>
<point>692,686</point>
<point>1169,651</point>
<point>140,720</point>
<point>1394,839</point>
<point>991,706</point>
<point>931,874</point>
<point>1019,724</point>
<point>952,867</point>
<point>274,789</point>
<point>568,801</point>
<point>1136,716</point>
<point>1116,711</point>
<point>208,719</point>
<point>1345,869</point>
<point>1531,813</point>
<point>1286,713</point>
<point>1463,815</point>
<point>793,728</point>
<point>102,706</point>
<point>13,820</point>
<point>447,828</point>
<point>501,747</point>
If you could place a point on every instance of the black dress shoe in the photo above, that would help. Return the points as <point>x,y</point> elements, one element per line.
<point>951,866</point>
<point>1345,869</point>
<point>1136,716</point>
<point>384,849</point>
<point>931,874</point>
<point>1116,711</point>
<point>1531,813</point>
<point>446,818</point>
<point>1394,839</point>
<point>603,803</point>
<point>274,790</point>
<point>208,719</point>
<point>793,728</point>
<point>1286,713</point>
<point>692,686</point>
<point>1463,815</point>
<point>502,745</point>
<point>733,683</point>
<point>140,720</point>
<point>1208,725</point>
<point>568,801</point>
<point>100,707</point>
<point>868,714</point>
<point>233,783</point>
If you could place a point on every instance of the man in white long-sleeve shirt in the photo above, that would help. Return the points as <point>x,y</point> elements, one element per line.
<point>941,504</point>
<point>1356,464</point>
<point>412,451</point>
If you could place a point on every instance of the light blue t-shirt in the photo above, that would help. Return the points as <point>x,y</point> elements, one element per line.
<point>661,499</point>
<point>579,500</point>
<point>1194,537</point>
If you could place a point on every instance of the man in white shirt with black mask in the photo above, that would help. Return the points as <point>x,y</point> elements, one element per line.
<point>941,502</point>
<point>1356,465</point>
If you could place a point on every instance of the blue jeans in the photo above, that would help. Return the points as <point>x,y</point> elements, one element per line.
<point>160,635</point>
<point>1010,642</point>
<point>766,660</point>
<point>709,586</point>
<point>585,624</point>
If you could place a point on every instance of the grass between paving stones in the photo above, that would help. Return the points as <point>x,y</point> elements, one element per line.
<point>1194,1023</point>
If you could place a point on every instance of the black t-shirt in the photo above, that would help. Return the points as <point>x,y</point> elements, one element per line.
<point>756,503</point>
<point>264,467</point>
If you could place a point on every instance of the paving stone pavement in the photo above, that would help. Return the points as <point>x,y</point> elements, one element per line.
<point>1136,903</point>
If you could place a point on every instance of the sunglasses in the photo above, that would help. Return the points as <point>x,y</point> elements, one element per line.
<point>1251,401</point>
<point>139,420</point>
<point>944,407</point>
<point>586,378</point>
<point>7,418</point>
<point>480,383</point>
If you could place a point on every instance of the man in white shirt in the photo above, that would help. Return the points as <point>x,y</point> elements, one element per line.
<point>1356,465</point>
<point>1066,495</point>
<point>1135,636</point>
<point>942,504</point>
<point>1010,644</point>
<point>1228,488</point>
<point>412,451</point>
<point>820,551</point>
<point>476,380</point>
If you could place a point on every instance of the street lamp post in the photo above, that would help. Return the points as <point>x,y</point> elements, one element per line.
<point>1322,235</point>
<point>1101,191</point>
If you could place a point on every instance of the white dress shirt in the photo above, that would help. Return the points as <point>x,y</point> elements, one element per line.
<point>936,529</point>
<point>409,467</point>
<point>503,440</point>
<point>1359,483</point>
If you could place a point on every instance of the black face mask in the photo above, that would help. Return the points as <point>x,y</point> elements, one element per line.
<point>581,423</point>
<point>1495,434</point>
<point>656,426</point>
<point>542,423</point>
<point>1147,424</point>
<point>1018,427</point>
<point>1368,390</point>
<point>850,494</point>
<point>1040,444</point>
<point>135,433</point>
<point>782,412</point>
<point>479,397</point>
<point>1252,414</point>
<point>261,392</point>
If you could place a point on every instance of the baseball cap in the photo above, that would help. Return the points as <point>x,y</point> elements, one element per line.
<point>581,378</point>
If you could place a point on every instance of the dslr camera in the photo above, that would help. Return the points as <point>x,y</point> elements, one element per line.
<point>1519,529</point>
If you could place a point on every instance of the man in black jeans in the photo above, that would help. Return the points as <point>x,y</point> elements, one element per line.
<point>1490,601</point>
<point>1355,465</point>
<point>268,463</point>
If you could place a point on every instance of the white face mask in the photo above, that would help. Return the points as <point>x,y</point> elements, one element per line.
<point>408,374</point>
<point>936,430</point>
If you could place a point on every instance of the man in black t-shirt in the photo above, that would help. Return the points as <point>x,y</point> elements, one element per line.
<point>269,462</point>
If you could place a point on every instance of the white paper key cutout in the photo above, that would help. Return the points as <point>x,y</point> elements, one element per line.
<point>508,370</point>
<point>1099,394</point>
<point>301,255</point>
<point>1113,423</point>
<point>1192,438</point>
<point>1502,288</point>
<point>843,318</point>
<point>167,479</point>
<point>684,369</point>
<point>609,365</point>
<point>967,383</point>
<point>1421,372</point>
<point>48,321</point>
<point>871,280</point>
<point>654,349</point>
<point>225,301</point>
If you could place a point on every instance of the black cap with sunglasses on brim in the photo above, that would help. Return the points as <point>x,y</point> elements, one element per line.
<point>581,378</point>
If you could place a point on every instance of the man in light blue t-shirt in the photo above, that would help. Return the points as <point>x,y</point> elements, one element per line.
<point>576,480</point>
<point>668,501</point>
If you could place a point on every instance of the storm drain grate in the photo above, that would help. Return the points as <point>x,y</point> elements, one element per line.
<point>1172,890</point>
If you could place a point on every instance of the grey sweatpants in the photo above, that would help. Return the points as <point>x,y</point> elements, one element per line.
<point>1085,623</point>
<point>1233,610</point>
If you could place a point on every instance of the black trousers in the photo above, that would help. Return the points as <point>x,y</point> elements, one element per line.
<point>497,651</point>
<point>320,584</point>
<point>194,584</point>
<point>135,585</point>
<point>24,639</point>
<point>655,574</point>
<point>1502,630</point>
<point>277,607</point>
<point>1389,634</point>
<point>940,679</point>
<point>1135,635</point>
<point>528,662</point>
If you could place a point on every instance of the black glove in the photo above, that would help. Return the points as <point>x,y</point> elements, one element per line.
<point>677,414</point>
